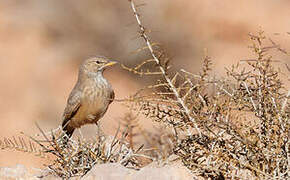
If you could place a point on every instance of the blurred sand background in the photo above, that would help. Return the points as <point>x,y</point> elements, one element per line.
<point>42,43</point>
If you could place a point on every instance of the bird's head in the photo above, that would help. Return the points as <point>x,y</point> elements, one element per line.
<point>96,64</point>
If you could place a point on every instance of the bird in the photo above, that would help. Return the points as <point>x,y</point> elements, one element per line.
<point>90,97</point>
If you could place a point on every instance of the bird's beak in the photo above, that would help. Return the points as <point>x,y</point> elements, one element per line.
<point>111,63</point>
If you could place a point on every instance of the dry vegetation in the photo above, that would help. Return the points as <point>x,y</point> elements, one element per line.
<point>235,127</point>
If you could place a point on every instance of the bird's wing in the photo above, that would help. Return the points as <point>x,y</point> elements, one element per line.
<point>112,96</point>
<point>72,107</point>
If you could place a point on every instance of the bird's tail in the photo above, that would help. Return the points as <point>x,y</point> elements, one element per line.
<point>68,130</point>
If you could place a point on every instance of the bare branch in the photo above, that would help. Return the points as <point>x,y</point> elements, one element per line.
<point>163,71</point>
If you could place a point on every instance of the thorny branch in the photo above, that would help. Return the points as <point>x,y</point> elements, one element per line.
<point>163,71</point>
<point>226,141</point>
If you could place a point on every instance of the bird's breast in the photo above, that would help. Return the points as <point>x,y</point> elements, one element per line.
<point>95,100</point>
<point>95,97</point>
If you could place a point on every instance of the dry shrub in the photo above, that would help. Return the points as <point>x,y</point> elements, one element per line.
<point>222,127</point>
<point>74,158</point>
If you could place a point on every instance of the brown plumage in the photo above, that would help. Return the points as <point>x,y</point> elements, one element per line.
<point>90,97</point>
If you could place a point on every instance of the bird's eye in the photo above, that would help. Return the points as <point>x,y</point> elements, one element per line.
<point>98,62</point>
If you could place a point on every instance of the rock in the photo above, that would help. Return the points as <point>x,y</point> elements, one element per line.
<point>170,170</point>
<point>17,172</point>
<point>110,171</point>
<point>114,171</point>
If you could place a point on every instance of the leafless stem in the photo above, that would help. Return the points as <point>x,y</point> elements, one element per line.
<point>173,88</point>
